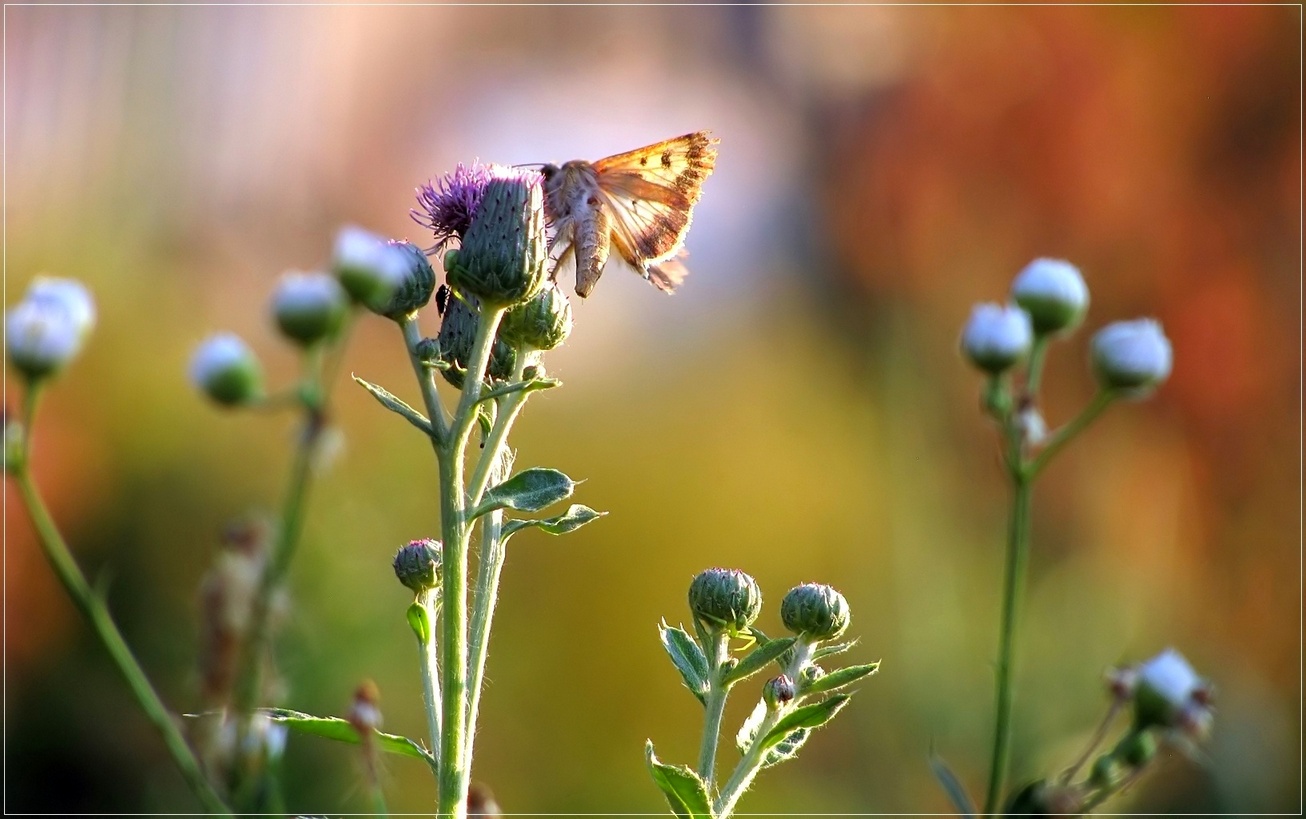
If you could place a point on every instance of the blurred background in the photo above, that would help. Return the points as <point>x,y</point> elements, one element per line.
<point>797,410</point>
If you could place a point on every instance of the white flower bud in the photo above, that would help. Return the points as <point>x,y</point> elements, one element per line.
<point>227,370</point>
<point>369,268</point>
<point>70,294</point>
<point>42,337</point>
<point>1053,292</point>
<point>1165,690</point>
<point>1132,356</point>
<point>309,307</point>
<point>997,337</point>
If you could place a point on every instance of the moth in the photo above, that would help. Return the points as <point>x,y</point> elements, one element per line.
<point>639,203</point>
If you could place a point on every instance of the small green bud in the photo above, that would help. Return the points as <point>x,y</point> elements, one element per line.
<point>415,289</point>
<point>458,334</point>
<point>725,599</point>
<point>309,307</point>
<point>417,565</point>
<point>816,611</point>
<point>542,323</point>
<point>1137,749</point>
<point>1105,772</point>
<point>1133,357</point>
<point>1053,292</point>
<point>369,268</point>
<point>778,691</point>
<point>997,337</point>
<point>226,370</point>
<point>502,257</point>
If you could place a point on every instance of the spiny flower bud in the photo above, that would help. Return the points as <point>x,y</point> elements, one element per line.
<point>458,334</point>
<point>542,323</point>
<point>1166,687</point>
<point>42,337</point>
<point>1053,292</point>
<point>309,307</point>
<point>226,370</point>
<point>502,257</point>
<point>1132,356</point>
<point>70,295</point>
<point>725,599</point>
<point>418,283</point>
<point>417,565</point>
<point>815,611</point>
<point>997,337</point>
<point>777,691</point>
<point>369,268</point>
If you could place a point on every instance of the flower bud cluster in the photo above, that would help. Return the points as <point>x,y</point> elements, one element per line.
<point>46,330</point>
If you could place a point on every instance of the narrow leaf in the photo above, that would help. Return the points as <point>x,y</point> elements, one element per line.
<point>840,678</point>
<point>687,657</point>
<point>534,385</point>
<point>339,730</point>
<point>805,716</point>
<point>952,786</point>
<point>394,404</point>
<point>828,651</point>
<point>748,731</point>
<point>786,748</point>
<point>685,792</point>
<point>528,491</point>
<point>785,656</point>
<point>575,517</point>
<point>758,658</point>
<point>420,622</point>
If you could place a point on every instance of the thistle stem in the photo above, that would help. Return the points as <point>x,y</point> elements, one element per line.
<point>744,773</point>
<point>97,614</point>
<point>715,707</point>
<point>430,666</point>
<point>435,411</point>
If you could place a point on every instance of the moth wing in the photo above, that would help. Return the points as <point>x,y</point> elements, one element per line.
<point>681,163</point>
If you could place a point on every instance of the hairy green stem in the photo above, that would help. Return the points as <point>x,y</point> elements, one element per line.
<point>1012,595</point>
<point>430,665</point>
<point>435,412</point>
<point>455,762</point>
<point>95,611</point>
<point>715,707</point>
<point>747,769</point>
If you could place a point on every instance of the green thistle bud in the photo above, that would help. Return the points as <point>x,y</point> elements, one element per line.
<point>415,287</point>
<point>309,307</point>
<point>778,691</point>
<point>542,323</point>
<point>458,334</point>
<point>226,370</point>
<point>502,257</point>
<point>368,267</point>
<point>725,599</point>
<point>417,565</point>
<point>1053,293</point>
<point>815,611</point>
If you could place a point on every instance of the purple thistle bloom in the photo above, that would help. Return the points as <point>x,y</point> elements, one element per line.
<point>449,204</point>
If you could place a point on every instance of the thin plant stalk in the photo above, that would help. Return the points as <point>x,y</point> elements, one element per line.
<point>714,708</point>
<point>747,769</point>
<point>93,608</point>
<point>430,669</point>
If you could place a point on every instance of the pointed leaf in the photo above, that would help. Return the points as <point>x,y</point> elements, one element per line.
<point>339,730</point>
<point>785,656</point>
<point>839,678</point>
<point>528,491</point>
<point>687,657</point>
<point>748,731</point>
<point>575,517</point>
<point>685,792</point>
<point>786,748</point>
<point>952,786</point>
<point>805,716</point>
<point>828,651</point>
<point>758,658</point>
<point>396,405</point>
<point>420,622</point>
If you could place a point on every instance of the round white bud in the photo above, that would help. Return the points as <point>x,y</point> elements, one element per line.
<point>1133,357</point>
<point>997,337</point>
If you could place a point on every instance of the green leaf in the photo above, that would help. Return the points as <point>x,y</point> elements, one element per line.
<point>829,651</point>
<point>420,622</point>
<point>533,385</point>
<point>685,792</point>
<point>805,716</point>
<point>575,517</point>
<point>840,678</point>
<point>528,491</point>
<point>748,731</point>
<point>394,404</point>
<point>952,786</point>
<point>785,656</point>
<point>339,730</point>
<point>758,658</point>
<point>687,657</point>
<point>786,748</point>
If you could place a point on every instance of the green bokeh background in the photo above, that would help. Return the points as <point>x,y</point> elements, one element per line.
<point>797,411</point>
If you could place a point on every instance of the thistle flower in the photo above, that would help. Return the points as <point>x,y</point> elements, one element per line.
<point>449,203</point>
<point>502,257</point>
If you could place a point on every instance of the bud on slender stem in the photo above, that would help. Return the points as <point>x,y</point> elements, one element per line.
<point>227,371</point>
<point>1132,357</point>
<point>1053,293</point>
<point>997,337</point>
